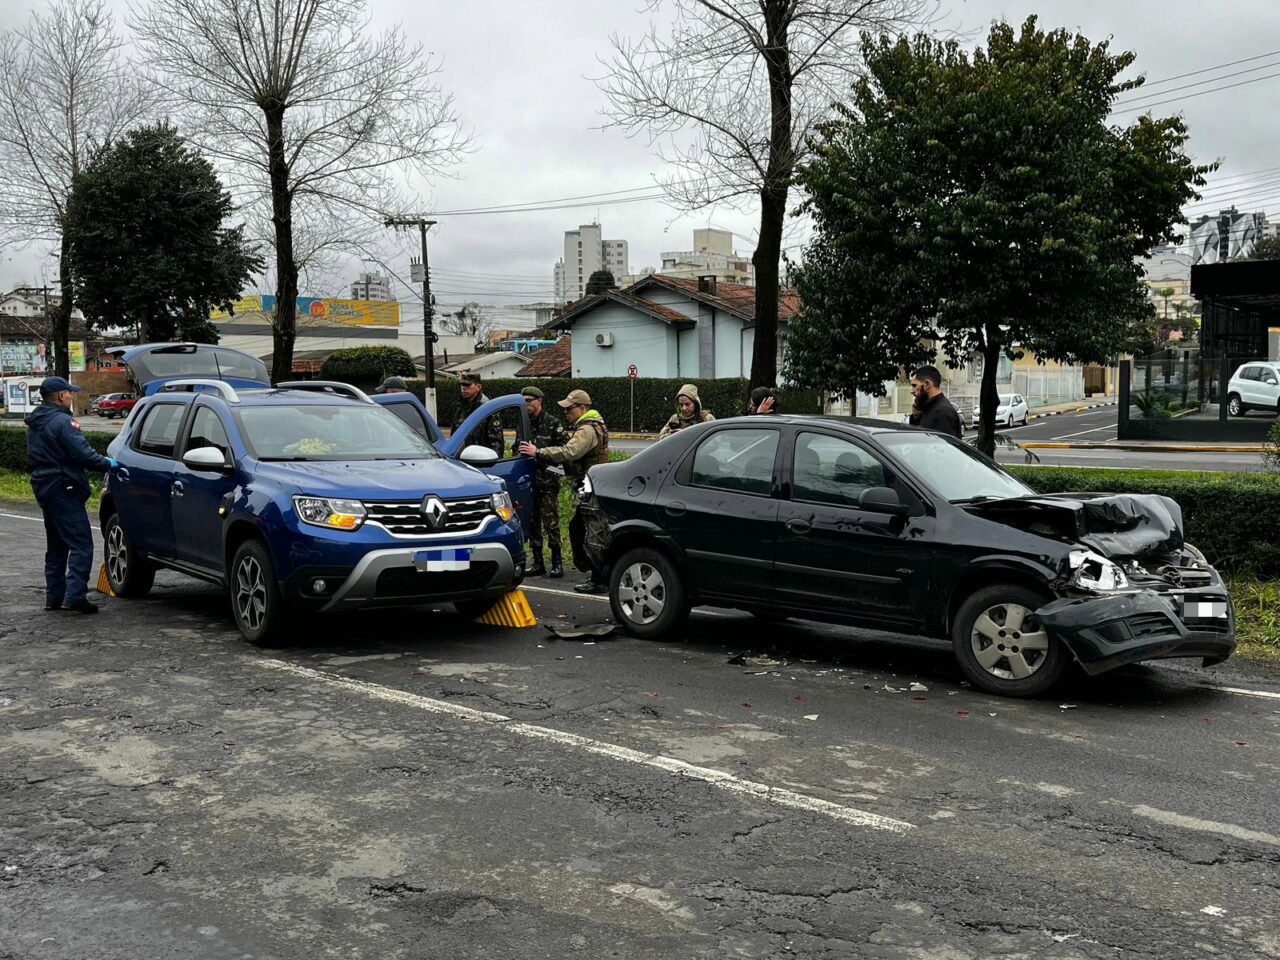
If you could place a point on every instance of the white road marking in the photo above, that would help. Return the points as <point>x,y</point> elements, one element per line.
<point>19,516</point>
<point>1184,822</point>
<point>1264,694</point>
<point>1068,436</point>
<point>717,778</point>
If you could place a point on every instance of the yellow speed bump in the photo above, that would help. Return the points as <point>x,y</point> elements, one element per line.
<point>512,610</point>
<point>104,582</point>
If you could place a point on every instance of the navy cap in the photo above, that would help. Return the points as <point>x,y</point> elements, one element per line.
<point>56,385</point>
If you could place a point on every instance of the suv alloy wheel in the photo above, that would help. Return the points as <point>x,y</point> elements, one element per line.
<point>257,604</point>
<point>130,574</point>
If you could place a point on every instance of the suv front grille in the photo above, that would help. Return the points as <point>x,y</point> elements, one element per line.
<point>402,583</point>
<point>403,518</point>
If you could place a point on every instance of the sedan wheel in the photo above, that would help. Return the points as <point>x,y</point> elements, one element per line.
<point>647,594</point>
<point>1002,647</point>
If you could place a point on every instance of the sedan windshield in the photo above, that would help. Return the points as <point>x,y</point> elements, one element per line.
<point>953,470</point>
<point>323,432</point>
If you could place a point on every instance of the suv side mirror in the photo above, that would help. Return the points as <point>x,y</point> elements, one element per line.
<point>882,500</point>
<point>1271,380</point>
<point>478,456</point>
<point>205,458</point>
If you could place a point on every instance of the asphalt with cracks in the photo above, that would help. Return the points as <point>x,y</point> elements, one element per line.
<point>409,785</point>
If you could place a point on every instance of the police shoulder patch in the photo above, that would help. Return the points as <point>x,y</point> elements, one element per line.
<point>75,423</point>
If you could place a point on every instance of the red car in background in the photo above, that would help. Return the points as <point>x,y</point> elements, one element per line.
<point>112,405</point>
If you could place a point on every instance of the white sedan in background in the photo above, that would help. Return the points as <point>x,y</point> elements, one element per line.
<point>1013,409</point>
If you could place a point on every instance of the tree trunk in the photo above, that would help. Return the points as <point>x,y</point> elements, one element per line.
<point>60,321</point>
<point>773,196</point>
<point>284,325</point>
<point>988,393</point>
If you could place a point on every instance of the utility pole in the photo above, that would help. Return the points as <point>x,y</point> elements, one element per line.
<point>428,334</point>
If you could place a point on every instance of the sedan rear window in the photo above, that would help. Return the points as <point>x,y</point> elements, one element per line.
<point>740,460</point>
<point>357,431</point>
<point>953,470</point>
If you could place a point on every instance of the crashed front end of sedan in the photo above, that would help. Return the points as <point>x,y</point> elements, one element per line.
<point>1129,588</point>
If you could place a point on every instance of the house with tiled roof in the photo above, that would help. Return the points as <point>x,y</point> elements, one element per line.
<point>669,327</point>
<point>553,361</point>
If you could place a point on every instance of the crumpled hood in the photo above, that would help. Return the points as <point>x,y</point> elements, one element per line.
<point>1117,525</point>
<point>379,479</point>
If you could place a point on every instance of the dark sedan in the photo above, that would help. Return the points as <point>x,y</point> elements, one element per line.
<point>867,523</point>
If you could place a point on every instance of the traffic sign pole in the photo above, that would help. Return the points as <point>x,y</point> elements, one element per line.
<point>632,373</point>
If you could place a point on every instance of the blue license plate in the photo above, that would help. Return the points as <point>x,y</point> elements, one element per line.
<point>442,561</point>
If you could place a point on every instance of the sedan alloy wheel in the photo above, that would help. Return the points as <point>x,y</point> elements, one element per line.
<point>642,593</point>
<point>1008,642</point>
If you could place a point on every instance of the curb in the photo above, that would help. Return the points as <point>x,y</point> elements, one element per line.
<point>1058,413</point>
<point>1151,447</point>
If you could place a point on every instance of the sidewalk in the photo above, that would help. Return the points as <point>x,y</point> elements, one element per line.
<point>1149,446</point>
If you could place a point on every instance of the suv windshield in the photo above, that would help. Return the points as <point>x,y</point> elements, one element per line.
<point>216,363</point>
<point>356,431</point>
<point>954,470</point>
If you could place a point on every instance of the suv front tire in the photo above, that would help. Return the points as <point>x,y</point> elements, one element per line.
<point>129,573</point>
<point>257,604</point>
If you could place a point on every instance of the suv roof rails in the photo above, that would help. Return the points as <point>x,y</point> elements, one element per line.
<point>326,386</point>
<point>225,389</point>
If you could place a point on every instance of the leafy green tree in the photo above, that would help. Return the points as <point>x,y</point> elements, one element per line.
<point>367,366</point>
<point>1268,248</point>
<point>600,281</point>
<point>981,204</point>
<point>149,244</point>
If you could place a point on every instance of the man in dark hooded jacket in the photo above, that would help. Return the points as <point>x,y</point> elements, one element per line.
<point>59,456</point>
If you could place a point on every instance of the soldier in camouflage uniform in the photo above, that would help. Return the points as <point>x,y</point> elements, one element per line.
<point>547,431</point>
<point>588,445</point>
<point>489,433</point>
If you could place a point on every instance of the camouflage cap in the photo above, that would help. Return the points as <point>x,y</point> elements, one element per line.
<point>535,392</point>
<point>576,398</point>
<point>469,379</point>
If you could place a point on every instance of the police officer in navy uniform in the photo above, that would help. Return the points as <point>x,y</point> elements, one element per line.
<point>59,456</point>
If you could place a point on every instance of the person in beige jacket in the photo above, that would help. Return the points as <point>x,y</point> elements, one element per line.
<point>688,411</point>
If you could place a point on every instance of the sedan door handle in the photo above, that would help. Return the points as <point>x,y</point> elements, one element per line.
<point>796,525</point>
<point>176,490</point>
<point>675,509</point>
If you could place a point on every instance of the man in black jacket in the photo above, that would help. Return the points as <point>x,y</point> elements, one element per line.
<point>59,456</point>
<point>932,410</point>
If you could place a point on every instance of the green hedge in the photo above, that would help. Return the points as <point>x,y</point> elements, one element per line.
<point>367,366</point>
<point>1232,517</point>
<point>13,446</point>
<point>655,399</point>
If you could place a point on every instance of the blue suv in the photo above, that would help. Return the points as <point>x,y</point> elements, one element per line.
<point>305,496</point>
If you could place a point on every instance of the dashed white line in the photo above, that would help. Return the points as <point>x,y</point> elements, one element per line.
<point>779,796</point>
<point>1184,822</point>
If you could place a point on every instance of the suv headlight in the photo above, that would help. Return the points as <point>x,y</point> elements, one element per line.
<point>503,506</point>
<point>325,512</point>
<point>1096,573</point>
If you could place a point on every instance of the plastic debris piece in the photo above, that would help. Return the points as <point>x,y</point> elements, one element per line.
<point>653,693</point>
<point>1242,743</point>
<point>1213,911</point>
<point>919,698</point>
<point>747,705</point>
<point>576,631</point>
<point>1067,706</point>
<point>962,713</point>
<point>811,716</point>
<point>725,726</point>
<point>738,660</point>
<point>918,688</point>
<point>866,686</point>
<point>990,714</point>
<point>418,673</point>
<point>890,689</point>
<point>798,697</point>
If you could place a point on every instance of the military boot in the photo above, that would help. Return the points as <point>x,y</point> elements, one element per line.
<point>557,567</point>
<point>536,569</point>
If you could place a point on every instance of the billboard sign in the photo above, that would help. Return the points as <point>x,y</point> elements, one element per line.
<point>350,313</point>
<point>249,304</point>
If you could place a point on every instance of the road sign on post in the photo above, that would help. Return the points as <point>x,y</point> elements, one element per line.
<point>632,373</point>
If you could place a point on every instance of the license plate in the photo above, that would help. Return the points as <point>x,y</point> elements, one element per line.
<point>442,561</point>
<point>1202,610</point>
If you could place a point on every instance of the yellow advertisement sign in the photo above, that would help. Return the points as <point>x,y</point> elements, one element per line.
<point>249,304</point>
<point>75,355</point>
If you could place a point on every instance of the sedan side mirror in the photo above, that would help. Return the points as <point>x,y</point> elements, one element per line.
<point>205,458</point>
<point>882,500</point>
<point>1270,381</point>
<point>478,456</point>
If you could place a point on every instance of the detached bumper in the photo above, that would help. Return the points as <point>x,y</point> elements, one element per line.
<point>396,578</point>
<point>1110,631</point>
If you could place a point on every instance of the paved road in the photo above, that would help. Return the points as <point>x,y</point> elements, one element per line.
<point>412,786</point>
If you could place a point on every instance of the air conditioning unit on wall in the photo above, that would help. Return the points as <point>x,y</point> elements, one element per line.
<point>604,339</point>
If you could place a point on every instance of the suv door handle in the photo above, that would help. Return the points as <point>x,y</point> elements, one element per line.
<point>122,474</point>
<point>176,490</point>
<point>797,525</point>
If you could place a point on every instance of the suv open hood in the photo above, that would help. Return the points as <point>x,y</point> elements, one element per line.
<point>1118,526</point>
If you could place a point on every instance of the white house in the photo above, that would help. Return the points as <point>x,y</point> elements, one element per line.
<point>670,327</point>
<point>489,366</point>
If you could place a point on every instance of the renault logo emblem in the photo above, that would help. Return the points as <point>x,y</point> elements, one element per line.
<point>434,510</point>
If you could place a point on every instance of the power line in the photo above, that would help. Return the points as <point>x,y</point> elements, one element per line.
<point>1221,66</point>
<point>1200,93</point>
<point>585,196</point>
<point>1200,83</point>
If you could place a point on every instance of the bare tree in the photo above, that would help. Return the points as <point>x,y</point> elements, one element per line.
<point>749,79</point>
<point>471,320</point>
<point>65,91</point>
<point>311,114</point>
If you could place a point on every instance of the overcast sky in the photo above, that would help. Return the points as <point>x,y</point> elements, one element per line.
<point>521,74</point>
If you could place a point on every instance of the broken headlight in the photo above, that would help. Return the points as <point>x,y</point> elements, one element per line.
<point>1094,572</point>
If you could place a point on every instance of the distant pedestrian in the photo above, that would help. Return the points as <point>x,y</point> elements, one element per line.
<point>393,385</point>
<point>547,431</point>
<point>932,410</point>
<point>688,412</point>
<point>487,434</point>
<point>763,401</point>
<point>587,446</point>
<point>59,456</point>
